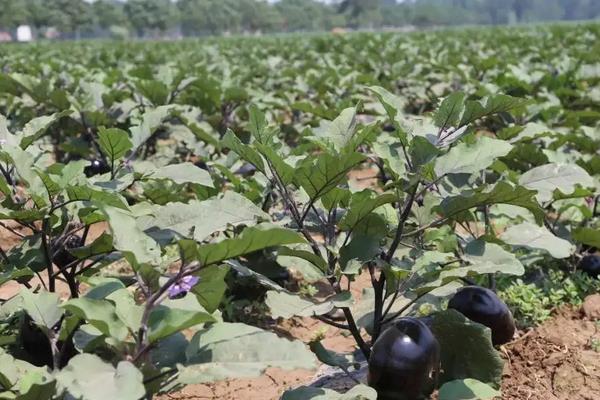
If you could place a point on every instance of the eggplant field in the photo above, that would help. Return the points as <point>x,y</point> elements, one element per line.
<point>348,216</point>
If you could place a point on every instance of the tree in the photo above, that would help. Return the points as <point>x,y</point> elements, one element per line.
<point>151,15</point>
<point>109,13</point>
<point>14,13</point>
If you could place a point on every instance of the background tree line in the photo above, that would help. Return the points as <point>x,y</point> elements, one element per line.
<point>147,18</point>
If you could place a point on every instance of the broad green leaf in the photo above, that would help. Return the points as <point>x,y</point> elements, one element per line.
<point>126,309</point>
<point>233,350</point>
<point>37,127</point>
<point>307,255</point>
<point>501,193</point>
<point>495,104</point>
<point>128,237</point>
<point>328,357</point>
<point>483,258</point>
<point>200,219</point>
<point>101,245</point>
<point>99,313</point>
<point>148,124</point>
<point>43,308</point>
<point>202,130</point>
<point>390,151</point>
<point>450,111</point>
<point>550,177</point>
<point>211,288</point>
<point>88,377</point>
<point>467,389</point>
<point>29,253</point>
<point>251,240</point>
<point>361,205</point>
<point>246,153</point>
<point>286,305</point>
<point>319,176</point>
<point>49,182</point>
<point>466,349</point>
<point>490,258</point>
<point>284,171</point>
<point>469,159</point>
<point>36,385</point>
<point>588,236</point>
<point>258,126</point>
<point>358,392</point>
<point>537,237</point>
<point>114,143</point>
<point>88,193</point>
<point>392,104</point>
<point>337,134</point>
<point>183,173</point>
<point>165,321</point>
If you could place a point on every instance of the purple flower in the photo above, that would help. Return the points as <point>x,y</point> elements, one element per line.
<point>180,288</point>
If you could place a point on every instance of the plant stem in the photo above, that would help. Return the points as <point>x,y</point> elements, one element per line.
<point>46,247</point>
<point>330,322</point>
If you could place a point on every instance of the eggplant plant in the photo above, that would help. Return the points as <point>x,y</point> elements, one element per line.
<point>107,288</point>
<point>419,235</point>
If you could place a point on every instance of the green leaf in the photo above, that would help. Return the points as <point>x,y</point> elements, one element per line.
<point>450,111</point>
<point>129,238</point>
<point>361,205</point>
<point>29,253</point>
<point>328,357</point>
<point>358,392</point>
<point>286,305</point>
<point>307,255</point>
<point>390,151</point>
<point>495,104</point>
<point>258,126</point>
<point>101,245</point>
<point>501,193</point>
<point>392,104</point>
<point>532,236</point>
<point>319,176</point>
<point>200,219</point>
<point>483,258</point>
<point>42,307</point>
<point>36,385</point>
<point>114,143</point>
<point>183,173</point>
<point>550,177</point>
<point>337,134</point>
<point>588,236</point>
<point>99,313</point>
<point>165,321</point>
<point>466,349</point>
<point>246,153</point>
<point>233,350</point>
<point>149,123</point>
<point>37,127</point>
<point>467,389</point>
<point>211,288</point>
<point>87,377</point>
<point>468,159</point>
<point>88,193</point>
<point>251,240</point>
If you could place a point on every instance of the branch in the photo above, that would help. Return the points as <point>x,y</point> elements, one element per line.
<point>403,218</point>
<point>330,322</point>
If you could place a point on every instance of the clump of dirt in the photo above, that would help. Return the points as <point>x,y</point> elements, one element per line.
<point>559,360</point>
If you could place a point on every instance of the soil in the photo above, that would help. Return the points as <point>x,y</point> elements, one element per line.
<point>559,360</point>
